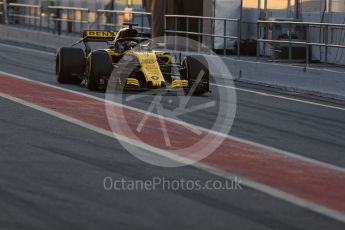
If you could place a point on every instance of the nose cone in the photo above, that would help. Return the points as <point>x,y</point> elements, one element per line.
<point>156,82</point>
<point>155,78</point>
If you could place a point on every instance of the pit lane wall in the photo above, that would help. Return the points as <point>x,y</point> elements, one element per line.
<point>34,37</point>
<point>319,81</point>
<point>328,82</point>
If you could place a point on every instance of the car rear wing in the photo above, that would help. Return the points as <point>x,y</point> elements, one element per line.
<point>98,36</point>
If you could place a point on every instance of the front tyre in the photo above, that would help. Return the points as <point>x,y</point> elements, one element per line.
<point>196,71</point>
<point>70,65</point>
<point>99,65</point>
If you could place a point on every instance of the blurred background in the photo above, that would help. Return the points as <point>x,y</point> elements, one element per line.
<point>297,30</point>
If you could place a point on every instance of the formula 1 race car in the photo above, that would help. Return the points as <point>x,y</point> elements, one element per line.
<point>146,68</point>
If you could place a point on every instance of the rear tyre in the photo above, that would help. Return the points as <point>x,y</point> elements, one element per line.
<point>70,65</point>
<point>196,72</point>
<point>99,65</point>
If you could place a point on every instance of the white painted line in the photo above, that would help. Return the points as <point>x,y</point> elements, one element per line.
<point>80,123</point>
<point>281,97</point>
<point>276,193</point>
<point>28,49</point>
<point>214,171</point>
<point>190,126</point>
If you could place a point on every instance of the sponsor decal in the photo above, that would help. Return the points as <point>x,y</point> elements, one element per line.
<point>100,34</point>
<point>148,61</point>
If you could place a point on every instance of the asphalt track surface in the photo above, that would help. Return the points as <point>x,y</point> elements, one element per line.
<point>52,171</point>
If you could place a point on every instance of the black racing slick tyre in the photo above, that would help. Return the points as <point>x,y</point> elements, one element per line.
<point>196,72</point>
<point>70,65</point>
<point>99,65</point>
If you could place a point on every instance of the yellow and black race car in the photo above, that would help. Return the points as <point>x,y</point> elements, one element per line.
<point>133,61</point>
